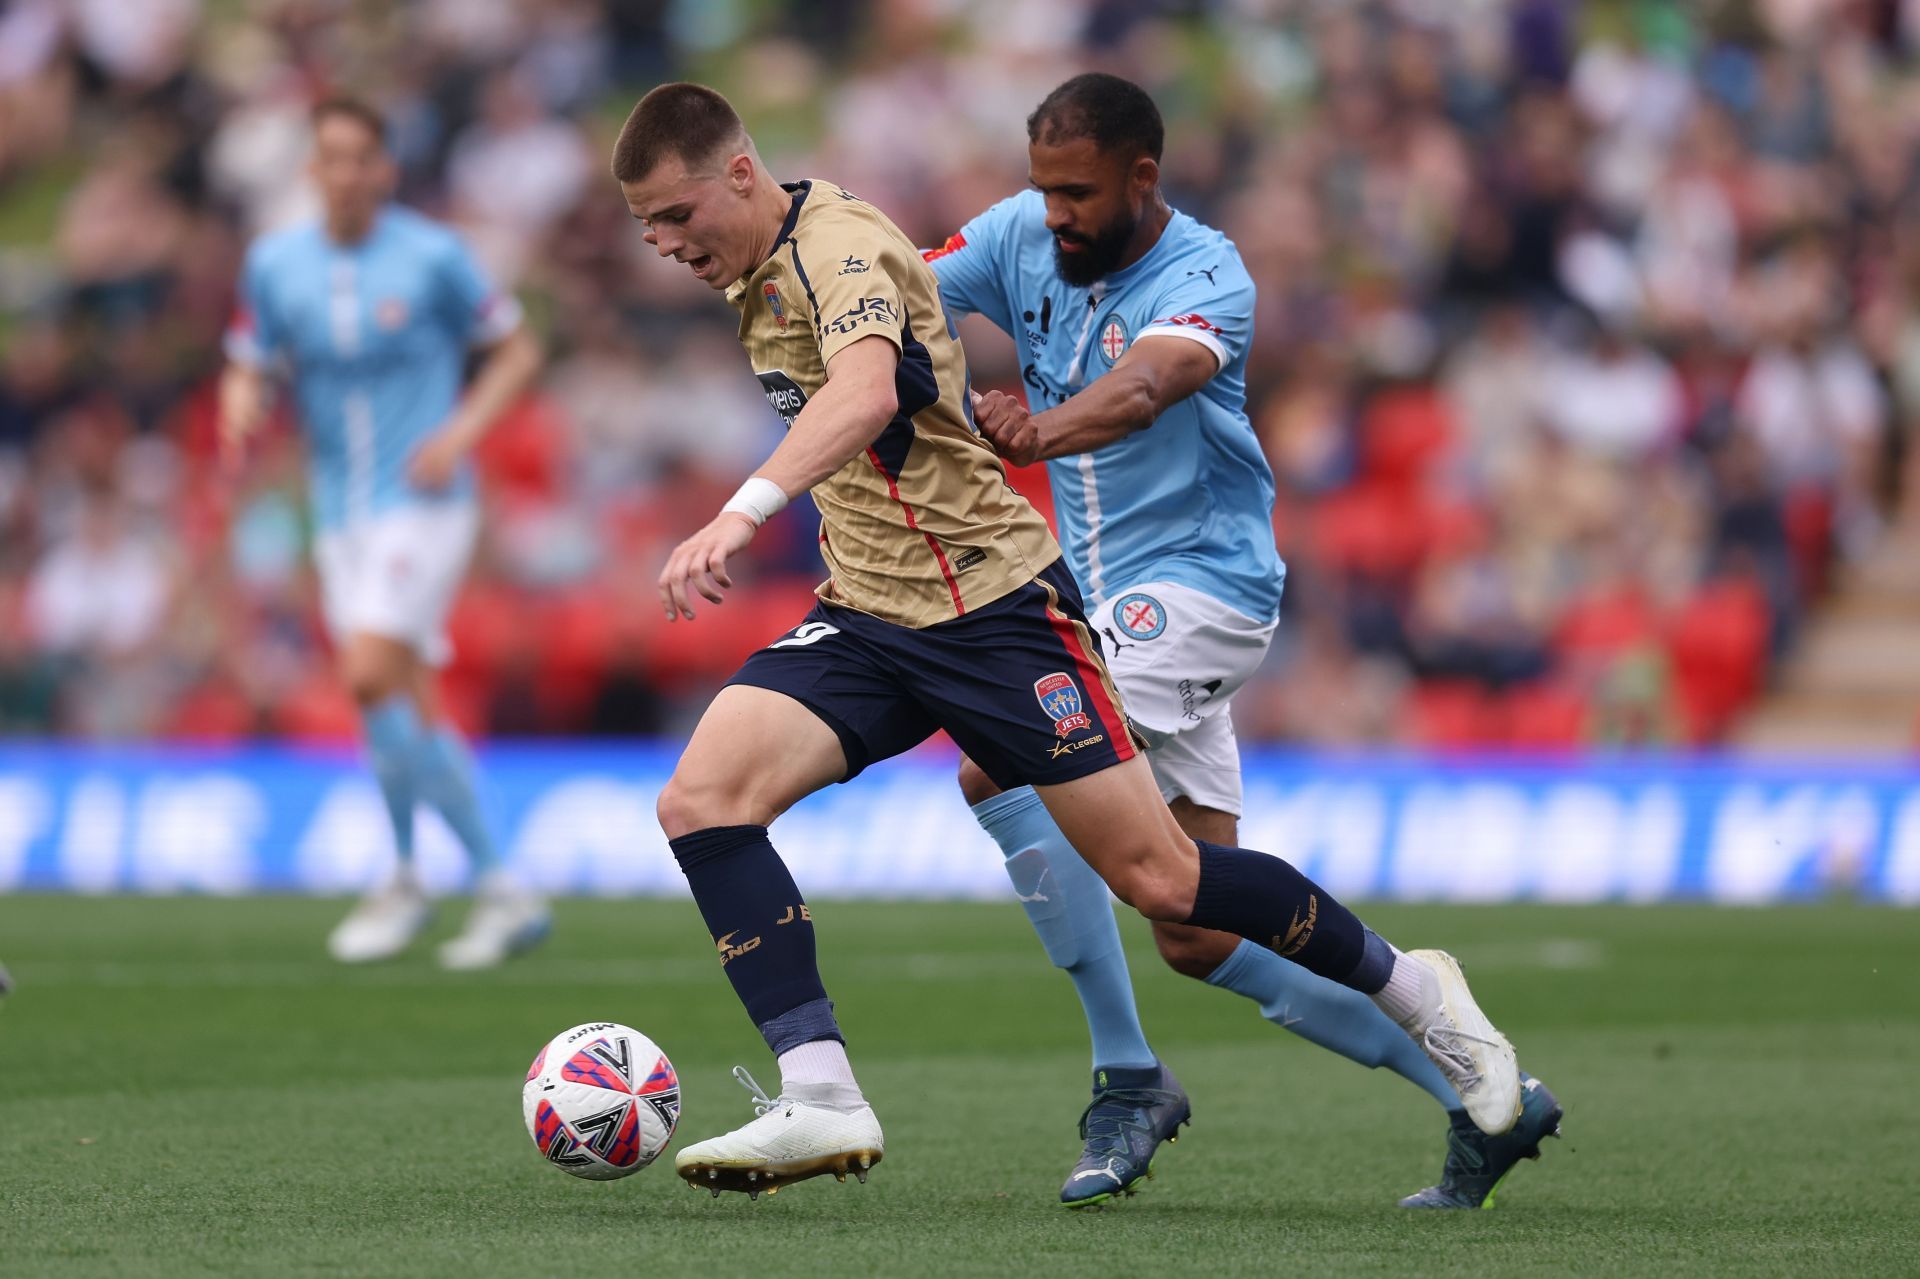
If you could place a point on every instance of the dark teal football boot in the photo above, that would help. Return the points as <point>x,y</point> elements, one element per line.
<point>1131,1113</point>
<point>1476,1163</point>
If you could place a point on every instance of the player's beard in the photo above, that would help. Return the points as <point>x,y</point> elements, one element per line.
<point>1098,255</point>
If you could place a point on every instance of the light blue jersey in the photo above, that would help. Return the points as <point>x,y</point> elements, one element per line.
<point>374,336</point>
<point>1189,499</point>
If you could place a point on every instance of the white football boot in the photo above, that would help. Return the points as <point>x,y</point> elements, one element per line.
<point>505,920</point>
<point>790,1140</point>
<point>385,921</point>
<point>1476,1059</point>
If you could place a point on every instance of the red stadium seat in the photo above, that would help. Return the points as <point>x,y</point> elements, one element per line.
<point>1544,716</point>
<point>1606,624</point>
<point>213,711</point>
<point>525,450</point>
<point>1403,432</point>
<point>1718,647</point>
<point>1451,715</point>
<point>1372,529</point>
<point>318,710</point>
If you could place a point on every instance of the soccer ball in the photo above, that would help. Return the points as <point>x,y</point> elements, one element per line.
<point>601,1101</point>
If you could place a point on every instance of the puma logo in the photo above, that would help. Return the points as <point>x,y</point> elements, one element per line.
<point>1300,932</point>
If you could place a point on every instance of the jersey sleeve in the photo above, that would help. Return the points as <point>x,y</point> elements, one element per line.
<point>479,311</point>
<point>1211,304</point>
<point>856,275</point>
<point>969,266</point>
<point>253,339</point>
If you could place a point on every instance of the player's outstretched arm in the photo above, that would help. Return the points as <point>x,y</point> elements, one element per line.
<point>1155,374</point>
<point>506,371</point>
<point>846,416</point>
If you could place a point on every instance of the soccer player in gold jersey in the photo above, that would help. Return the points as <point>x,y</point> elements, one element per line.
<point>946,606</point>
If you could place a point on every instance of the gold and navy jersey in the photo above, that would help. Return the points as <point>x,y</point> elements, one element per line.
<point>922,526</point>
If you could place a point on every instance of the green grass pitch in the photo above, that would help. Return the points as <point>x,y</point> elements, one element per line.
<point>190,1087</point>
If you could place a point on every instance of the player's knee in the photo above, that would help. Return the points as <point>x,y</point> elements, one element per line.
<point>1149,889</point>
<point>685,806</point>
<point>373,673</point>
<point>975,786</point>
<point>369,684</point>
<point>697,798</point>
<point>1193,952</point>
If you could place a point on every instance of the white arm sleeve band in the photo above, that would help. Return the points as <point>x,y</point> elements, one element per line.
<point>758,499</point>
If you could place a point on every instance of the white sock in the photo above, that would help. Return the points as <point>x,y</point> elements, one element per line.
<point>821,1061</point>
<point>1412,993</point>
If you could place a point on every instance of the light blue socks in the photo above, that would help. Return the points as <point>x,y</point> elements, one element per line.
<point>393,734</point>
<point>1329,1014</point>
<point>413,764</point>
<point>444,777</point>
<point>1073,913</point>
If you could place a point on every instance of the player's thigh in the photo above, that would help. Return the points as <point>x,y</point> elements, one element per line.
<point>816,706</point>
<point>754,754</point>
<point>1116,820</point>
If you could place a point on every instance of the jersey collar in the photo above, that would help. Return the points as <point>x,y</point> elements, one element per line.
<point>800,191</point>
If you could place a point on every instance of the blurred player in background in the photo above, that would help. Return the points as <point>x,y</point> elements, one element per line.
<point>1133,322</point>
<point>369,313</point>
<point>947,606</point>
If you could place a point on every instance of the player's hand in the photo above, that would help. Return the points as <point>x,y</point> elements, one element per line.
<point>1007,425</point>
<point>699,564</point>
<point>434,463</point>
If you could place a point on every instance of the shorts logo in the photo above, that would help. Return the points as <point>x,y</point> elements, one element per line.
<point>1060,698</point>
<point>1113,339</point>
<point>1140,616</point>
<point>1058,749</point>
<point>806,633</point>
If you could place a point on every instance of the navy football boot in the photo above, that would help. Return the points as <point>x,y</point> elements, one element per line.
<point>1131,1113</point>
<point>1476,1163</point>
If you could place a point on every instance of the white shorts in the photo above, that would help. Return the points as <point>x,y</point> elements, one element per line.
<point>395,574</point>
<point>1179,656</point>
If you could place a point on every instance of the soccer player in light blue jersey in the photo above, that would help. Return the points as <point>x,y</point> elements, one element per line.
<point>1132,322</point>
<point>369,313</point>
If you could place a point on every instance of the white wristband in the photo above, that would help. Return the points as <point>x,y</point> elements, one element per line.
<point>758,499</point>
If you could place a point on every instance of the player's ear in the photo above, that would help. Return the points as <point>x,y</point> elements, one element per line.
<point>1145,175</point>
<point>740,173</point>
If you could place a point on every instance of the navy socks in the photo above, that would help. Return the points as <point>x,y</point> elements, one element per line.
<point>762,930</point>
<point>1266,900</point>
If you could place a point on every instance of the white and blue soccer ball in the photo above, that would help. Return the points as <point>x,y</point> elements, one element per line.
<point>601,1101</point>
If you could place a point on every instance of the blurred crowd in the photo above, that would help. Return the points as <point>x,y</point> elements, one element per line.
<point>1587,345</point>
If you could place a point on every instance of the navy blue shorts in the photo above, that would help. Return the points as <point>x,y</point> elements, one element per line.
<point>1019,684</point>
